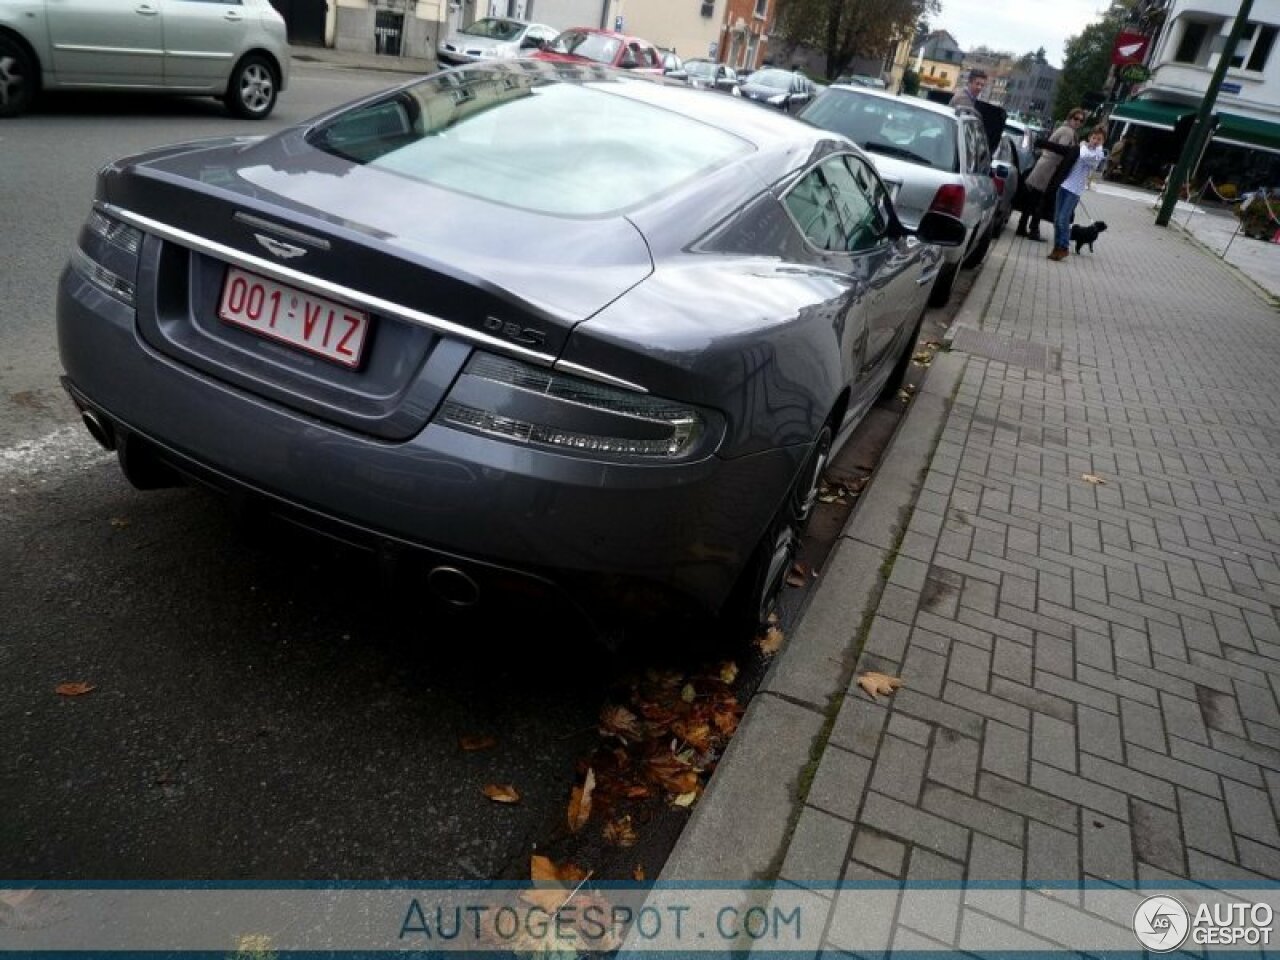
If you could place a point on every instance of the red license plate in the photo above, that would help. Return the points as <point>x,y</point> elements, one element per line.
<point>313,324</point>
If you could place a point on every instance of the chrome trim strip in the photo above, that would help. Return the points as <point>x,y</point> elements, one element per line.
<point>374,304</point>
<point>305,281</point>
<point>928,279</point>
<point>88,48</point>
<point>264,224</point>
<point>565,366</point>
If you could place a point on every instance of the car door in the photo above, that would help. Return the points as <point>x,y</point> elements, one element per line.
<point>203,40</point>
<point>894,266</point>
<point>977,175</point>
<point>106,42</point>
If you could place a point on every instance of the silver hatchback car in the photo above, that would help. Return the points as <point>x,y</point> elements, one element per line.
<point>236,50</point>
<point>932,157</point>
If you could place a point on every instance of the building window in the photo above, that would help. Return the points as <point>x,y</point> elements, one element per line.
<point>1192,48</point>
<point>1254,47</point>
<point>762,7</point>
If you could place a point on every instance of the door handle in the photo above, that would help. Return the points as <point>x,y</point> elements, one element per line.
<point>146,10</point>
<point>233,15</point>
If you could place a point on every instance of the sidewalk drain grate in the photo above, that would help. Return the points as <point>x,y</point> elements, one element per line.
<point>1021,353</point>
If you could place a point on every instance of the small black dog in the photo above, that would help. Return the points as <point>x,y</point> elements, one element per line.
<point>1086,235</point>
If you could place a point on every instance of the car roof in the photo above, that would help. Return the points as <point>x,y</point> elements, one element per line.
<point>858,90</point>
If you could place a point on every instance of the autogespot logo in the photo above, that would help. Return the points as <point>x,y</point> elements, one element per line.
<point>1161,924</point>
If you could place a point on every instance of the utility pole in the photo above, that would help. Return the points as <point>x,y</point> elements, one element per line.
<point>1200,130</point>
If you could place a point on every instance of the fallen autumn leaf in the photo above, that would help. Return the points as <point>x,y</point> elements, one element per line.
<point>471,744</point>
<point>620,832</point>
<point>1091,478</point>
<point>770,642</point>
<point>76,689</point>
<point>501,793</point>
<point>873,682</point>
<point>620,722</point>
<point>580,802</point>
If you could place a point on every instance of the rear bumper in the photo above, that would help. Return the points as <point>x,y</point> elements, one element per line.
<point>686,528</point>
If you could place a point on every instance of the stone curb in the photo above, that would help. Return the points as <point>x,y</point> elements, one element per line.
<point>740,829</point>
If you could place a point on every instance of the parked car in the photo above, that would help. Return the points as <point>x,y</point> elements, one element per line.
<point>1024,136</point>
<point>862,80</point>
<point>625,394</point>
<point>494,38</point>
<point>709,75</point>
<point>588,45</point>
<point>237,52</point>
<point>933,157</point>
<point>786,90</point>
<point>1007,179</point>
<point>673,66</point>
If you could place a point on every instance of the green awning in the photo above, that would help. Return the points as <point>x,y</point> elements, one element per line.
<point>1247,132</point>
<point>1151,113</point>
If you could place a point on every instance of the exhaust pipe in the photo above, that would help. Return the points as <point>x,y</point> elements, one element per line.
<point>99,429</point>
<point>453,587</point>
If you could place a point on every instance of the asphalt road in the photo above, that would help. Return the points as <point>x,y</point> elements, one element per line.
<point>266,706</point>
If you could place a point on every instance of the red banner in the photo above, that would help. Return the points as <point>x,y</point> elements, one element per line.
<point>1129,48</point>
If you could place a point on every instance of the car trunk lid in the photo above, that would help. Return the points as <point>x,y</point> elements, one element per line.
<point>437,273</point>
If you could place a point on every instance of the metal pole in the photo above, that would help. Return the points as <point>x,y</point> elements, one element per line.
<point>1173,186</point>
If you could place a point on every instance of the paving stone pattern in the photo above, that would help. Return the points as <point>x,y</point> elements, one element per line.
<point>1092,671</point>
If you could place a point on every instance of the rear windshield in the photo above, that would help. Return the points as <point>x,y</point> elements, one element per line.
<point>778,79</point>
<point>890,127</point>
<point>589,46</point>
<point>495,29</point>
<point>529,141</point>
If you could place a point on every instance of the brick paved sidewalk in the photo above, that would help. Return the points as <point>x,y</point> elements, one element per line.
<point>1091,671</point>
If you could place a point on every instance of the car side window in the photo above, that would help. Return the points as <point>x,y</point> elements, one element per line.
<point>813,206</point>
<point>863,227</point>
<point>876,191</point>
<point>976,141</point>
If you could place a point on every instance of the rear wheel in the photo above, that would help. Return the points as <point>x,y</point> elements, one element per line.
<point>17,78</point>
<point>941,291</point>
<point>251,92</point>
<point>762,580</point>
<point>979,253</point>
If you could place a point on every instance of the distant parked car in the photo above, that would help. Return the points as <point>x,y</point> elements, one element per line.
<point>494,38</point>
<point>786,90</point>
<point>620,382</point>
<point>237,51</point>
<point>1007,179</point>
<point>933,157</point>
<point>709,75</point>
<point>588,45</point>
<point>673,66</point>
<point>862,80</point>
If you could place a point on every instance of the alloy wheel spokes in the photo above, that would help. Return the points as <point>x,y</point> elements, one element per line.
<point>10,80</point>
<point>255,88</point>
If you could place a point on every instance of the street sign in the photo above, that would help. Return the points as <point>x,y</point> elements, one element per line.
<point>1134,73</point>
<point>1129,48</point>
<point>1230,88</point>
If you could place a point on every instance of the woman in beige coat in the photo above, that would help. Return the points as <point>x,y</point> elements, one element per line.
<point>1043,180</point>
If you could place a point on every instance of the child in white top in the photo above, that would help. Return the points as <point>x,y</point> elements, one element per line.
<point>1076,182</point>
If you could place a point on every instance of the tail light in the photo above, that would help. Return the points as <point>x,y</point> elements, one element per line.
<point>107,256</point>
<point>526,404</point>
<point>999,182</point>
<point>949,200</point>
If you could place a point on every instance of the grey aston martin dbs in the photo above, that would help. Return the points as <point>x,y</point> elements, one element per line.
<point>536,322</point>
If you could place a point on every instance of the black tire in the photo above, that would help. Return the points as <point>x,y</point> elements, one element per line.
<point>252,89</point>
<point>941,291</point>
<point>978,254</point>
<point>762,579</point>
<point>19,78</point>
<point>899,371</point>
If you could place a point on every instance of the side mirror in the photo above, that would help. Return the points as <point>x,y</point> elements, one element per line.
<point>627,63</point>
<point>1001,170</point>
<point>941,229</point>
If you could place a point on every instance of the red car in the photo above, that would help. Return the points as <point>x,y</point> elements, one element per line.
<point>588,45</point>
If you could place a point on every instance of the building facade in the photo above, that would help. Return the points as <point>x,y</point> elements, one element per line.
<point>939,61</point>
<point>1187,46</point>
<point>744,33</point>
<point>1030,90</point>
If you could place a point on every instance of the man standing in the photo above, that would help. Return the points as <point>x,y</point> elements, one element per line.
<point>1043,180</point>
<point>968,95</point>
